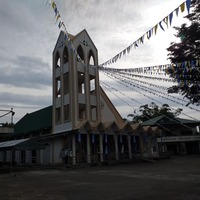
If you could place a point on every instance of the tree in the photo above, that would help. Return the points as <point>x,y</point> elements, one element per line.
<point>151,111</point>
<point>187,74</point>
<point>11,125</point>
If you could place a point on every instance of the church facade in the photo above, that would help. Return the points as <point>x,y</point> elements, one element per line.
<point>93,129</point>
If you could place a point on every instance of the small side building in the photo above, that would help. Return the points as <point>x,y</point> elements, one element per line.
<point>178,137</point>
<point>5,132</point>
<point>22,146</point>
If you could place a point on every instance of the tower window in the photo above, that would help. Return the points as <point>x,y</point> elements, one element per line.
<point>65,56</point>
<point>66,83</point>
<point>80,52</point>
<point>57,60</point>
<point>58,87</point>
<point>66,113</point>
<point>82,111</point>
<point>81,82</point>
<point>92,83</point>
<point>91,58</point>
<point>58,115</point>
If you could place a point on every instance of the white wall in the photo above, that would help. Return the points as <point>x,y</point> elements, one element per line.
<point>57,147</point>
<point>8,156</point>
<point>45,155</point>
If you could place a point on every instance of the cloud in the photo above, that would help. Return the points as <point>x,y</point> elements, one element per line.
<point>23,100</point>
<point>27,72</point>
<point>22,104</point>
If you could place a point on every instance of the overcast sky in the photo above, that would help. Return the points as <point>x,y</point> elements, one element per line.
<point>29,33</point>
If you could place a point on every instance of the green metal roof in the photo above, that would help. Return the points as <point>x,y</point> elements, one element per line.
<point>34,121</point>
<point>162,119</point>
<point>188,121</point>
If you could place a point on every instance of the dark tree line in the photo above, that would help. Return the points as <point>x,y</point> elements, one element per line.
<point>151,111</point>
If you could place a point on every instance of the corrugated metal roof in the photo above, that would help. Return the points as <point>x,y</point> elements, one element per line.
<point>188,121</point>
<point>12,143</point>
<point>152,121</point>
<point>22,144</point>
<point>168,120</point>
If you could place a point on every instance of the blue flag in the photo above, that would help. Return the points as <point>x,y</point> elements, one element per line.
<point>106,139</point>
<point>188,2</point>
<point>161,26</point>
<point>170,18</point>
<point>106,149</point>
<point>93,137</point>
<point>133,139</point>
<point>120,138</point>
<point>79,137</point>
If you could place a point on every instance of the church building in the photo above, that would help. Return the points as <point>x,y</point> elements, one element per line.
<point>82,125</point>
<point>82,112</point>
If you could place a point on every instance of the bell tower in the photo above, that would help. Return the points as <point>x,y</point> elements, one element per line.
<point>76,90</point>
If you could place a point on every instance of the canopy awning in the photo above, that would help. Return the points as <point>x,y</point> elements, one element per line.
<point>22,144</point>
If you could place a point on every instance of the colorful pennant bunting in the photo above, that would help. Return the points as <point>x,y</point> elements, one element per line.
<point>62,25</point>
<point>149,33</point>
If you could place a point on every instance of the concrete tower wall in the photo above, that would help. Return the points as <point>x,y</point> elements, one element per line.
<point>76,92</point>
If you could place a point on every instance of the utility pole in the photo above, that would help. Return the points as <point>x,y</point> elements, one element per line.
<point>12,114</point>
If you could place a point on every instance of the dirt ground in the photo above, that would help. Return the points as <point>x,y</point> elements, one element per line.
<point>177,178</point>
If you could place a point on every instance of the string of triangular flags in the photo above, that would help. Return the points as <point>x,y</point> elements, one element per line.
<point>139,88</point>
<point>185,68</point>
<point>186,73</point>
<point>62,26</point>
<point>144,88</point>
<point>132,86</point>
<point>158,69</point>
<point>137,75</point>
<point>115,92</point>
<point>166,20</point>
<point>153,88</point>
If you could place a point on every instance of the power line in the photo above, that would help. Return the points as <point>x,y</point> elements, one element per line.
<point>110,88</point>
<point>128,85</point>
<point>170,97</point>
